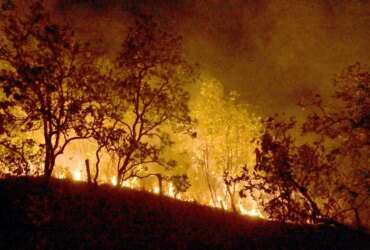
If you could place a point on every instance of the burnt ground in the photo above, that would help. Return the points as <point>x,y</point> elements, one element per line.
<point>66,215</point>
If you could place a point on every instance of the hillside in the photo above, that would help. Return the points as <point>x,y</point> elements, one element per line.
<point>67,215</point>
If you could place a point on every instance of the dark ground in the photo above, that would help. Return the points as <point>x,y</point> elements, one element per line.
<point>67,215</point>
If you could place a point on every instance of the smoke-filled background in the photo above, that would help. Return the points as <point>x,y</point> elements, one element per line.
<point>266,54</point>
<point>271,52</point>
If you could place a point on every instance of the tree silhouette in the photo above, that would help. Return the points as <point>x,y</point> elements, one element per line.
<point>344,128</point>
<point>19,157</point>
<point>148,99</point>
<point>282,174</point>
<point>181,183</point>
<point>45,76</point>
<point>323,175</point>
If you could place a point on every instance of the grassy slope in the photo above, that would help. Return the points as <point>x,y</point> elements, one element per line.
<point>67,215</point>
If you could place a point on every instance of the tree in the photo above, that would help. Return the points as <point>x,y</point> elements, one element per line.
<point>323,175</point>
<point>19,158</point>
<point>103,135</point>
<point>46,77</point>
<point>283,175</point>
<point>224,130</point>
<point>344,127</point>
<point>149,98</point>
<point>181,183</point>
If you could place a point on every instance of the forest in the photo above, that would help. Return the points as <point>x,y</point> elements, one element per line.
<point>146,118</point>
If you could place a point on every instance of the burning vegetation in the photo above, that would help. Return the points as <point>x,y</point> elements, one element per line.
<point>71,111</point>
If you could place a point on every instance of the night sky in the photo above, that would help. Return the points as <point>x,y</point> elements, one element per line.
<point>271,52</point>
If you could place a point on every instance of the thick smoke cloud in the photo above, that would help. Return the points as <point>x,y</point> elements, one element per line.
<point>272,52</point>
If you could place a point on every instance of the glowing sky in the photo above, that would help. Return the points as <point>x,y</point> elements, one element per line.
<point>272,52</point>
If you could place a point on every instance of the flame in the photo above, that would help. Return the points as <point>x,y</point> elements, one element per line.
<point>130,183</point>
<point>156,190</point>
<point>254,212</point>
<point>171,190</point>
<point>61,176</point>
<point>114,180</point>
<point>77,175</point>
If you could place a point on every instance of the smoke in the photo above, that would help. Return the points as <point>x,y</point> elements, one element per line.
<point>271,52</point>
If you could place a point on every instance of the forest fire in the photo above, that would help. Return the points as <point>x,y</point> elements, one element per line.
<point>170,192</point>
<point>263,123</point>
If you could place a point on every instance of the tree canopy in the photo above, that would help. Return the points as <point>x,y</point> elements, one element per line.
<point>45,78</point>
<point>55,87</point>
<point>322,175</point>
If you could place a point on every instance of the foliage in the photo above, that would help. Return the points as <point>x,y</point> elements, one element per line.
<point>282,174</point>
<point>55,90</point>
<point>324,179</point>
<point>149,99</point>
<point>19,158</point>
<point>181,183</point>
<point>344,127</point>
<point>45,77</point>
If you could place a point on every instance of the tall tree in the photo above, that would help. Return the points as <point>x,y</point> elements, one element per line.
<point>150,97</point>
<point>46,77</point>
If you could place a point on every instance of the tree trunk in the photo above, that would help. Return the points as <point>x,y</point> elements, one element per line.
<point>205,168</point>
<point>316,213</point>
<point>48,165</point>
<point>119,178</point>
<point>123,168</point>
<point>97,164</point>
<point>87,164</point>
<point>160,183</point>
<point>47,173</point>
<point>232,201</point>
<point>358,219</point>
<point>49,153</point>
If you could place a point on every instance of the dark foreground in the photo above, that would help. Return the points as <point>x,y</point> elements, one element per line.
<point>66,215</point>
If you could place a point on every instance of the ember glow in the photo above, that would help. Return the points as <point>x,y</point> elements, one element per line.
<point>114,181</point>
<point>77,175</point>
<point>251,212</point>
<point>170,192</point>
<point>156,190</point>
